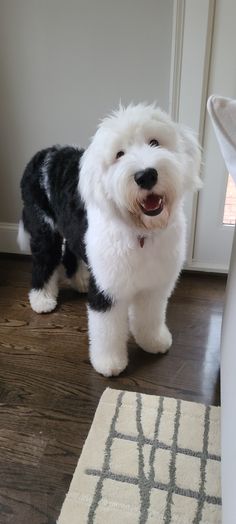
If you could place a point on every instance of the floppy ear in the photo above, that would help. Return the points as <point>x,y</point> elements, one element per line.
<point>192,158</point>
<point>86,175</point>
<point>90,174</point>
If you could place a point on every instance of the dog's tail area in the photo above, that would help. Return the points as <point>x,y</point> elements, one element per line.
<point>23,237</point>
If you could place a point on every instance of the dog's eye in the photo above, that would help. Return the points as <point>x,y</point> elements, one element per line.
<point>154,143</point>
<point>119,154</point>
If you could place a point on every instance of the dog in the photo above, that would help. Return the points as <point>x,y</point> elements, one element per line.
<point>113,215</point>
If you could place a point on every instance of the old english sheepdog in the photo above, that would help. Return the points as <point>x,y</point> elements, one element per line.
<point>113,215</point>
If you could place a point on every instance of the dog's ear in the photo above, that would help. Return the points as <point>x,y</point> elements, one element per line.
<point>90,174</point>
<point>87,175</point>
<point>192,158</point>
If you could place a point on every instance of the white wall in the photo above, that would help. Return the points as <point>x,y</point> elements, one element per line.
<point>64,63</point>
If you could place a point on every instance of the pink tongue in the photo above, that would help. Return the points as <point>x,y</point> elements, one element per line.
<point>151,202</point>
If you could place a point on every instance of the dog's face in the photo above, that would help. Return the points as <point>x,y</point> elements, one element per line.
<point>139,165</point>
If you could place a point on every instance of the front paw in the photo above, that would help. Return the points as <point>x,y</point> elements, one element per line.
<point>158,343</point>
<point>41,301</point>
<point>108,365</point>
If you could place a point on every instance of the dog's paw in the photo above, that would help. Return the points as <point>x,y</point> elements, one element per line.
<point>41,301</point>
<point>160,343</point>
<point>109,366</point>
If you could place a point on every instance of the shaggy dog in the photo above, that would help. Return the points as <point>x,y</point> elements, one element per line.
<point>113,214</point>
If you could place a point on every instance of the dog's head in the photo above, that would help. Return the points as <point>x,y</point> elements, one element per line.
<point>139,164</point>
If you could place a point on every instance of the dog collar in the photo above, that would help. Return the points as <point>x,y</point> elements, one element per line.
<point>141,241</point>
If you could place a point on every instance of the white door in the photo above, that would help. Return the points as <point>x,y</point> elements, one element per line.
<point>215,213</point>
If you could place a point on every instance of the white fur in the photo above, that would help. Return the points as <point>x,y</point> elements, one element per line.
<point>44,175</point>
<point>140,279</point>
<point>23,238</point>
<point>45,300</point>
<point>108,333</point>
<point>49,221</point>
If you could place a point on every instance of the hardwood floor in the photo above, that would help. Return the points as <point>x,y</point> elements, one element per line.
<point>49,391</point>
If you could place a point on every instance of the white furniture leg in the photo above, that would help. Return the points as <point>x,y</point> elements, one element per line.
<point>228,396</point>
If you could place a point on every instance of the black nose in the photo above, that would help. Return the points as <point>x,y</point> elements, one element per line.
<point>146,178</point>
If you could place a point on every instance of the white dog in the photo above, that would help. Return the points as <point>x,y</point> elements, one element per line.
<point>127,223</point>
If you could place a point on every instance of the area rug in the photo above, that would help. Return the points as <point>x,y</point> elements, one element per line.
<point>147,459</point>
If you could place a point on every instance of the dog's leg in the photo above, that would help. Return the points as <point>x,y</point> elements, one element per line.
<point>147,322</point>
<point>46,254</point>
<point>76,271</point>
<point>108,333</point>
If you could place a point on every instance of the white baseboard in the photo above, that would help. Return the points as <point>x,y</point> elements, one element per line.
<point>8,238</point>
<point>205,267</point>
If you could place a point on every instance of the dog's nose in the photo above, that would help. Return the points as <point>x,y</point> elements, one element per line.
<point>146,178</point>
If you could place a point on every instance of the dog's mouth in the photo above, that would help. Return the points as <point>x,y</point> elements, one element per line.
<point>152,205</point>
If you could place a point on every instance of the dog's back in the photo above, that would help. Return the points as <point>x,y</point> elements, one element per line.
<point>52,212</point>
<point>50,176</point>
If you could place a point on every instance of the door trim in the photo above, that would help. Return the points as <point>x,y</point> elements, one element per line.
<point>190,66</point>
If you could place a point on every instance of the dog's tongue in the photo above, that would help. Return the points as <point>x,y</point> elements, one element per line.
<point>151,202</point>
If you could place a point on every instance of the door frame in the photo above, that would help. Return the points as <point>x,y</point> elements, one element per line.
<point>191,52</point>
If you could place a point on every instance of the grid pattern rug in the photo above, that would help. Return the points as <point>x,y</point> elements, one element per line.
<point>147,459</point>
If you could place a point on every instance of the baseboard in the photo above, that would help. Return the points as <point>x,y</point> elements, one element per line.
<point>205,267</point>
<point>8,238</point>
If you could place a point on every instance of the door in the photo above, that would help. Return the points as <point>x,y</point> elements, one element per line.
<point>217,200</point>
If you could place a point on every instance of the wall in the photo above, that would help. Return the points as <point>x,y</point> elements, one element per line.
<point>64,64</point>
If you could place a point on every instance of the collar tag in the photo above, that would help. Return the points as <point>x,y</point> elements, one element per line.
<point>141,241</point>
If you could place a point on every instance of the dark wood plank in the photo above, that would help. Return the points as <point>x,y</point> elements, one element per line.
<point>49,391</point>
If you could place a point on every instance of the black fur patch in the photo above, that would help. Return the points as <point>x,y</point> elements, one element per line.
<point>50,190</point>
<point>70,262</point>
<point>46,255</point>
<point>98,300</point>
<point>53,211</point>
